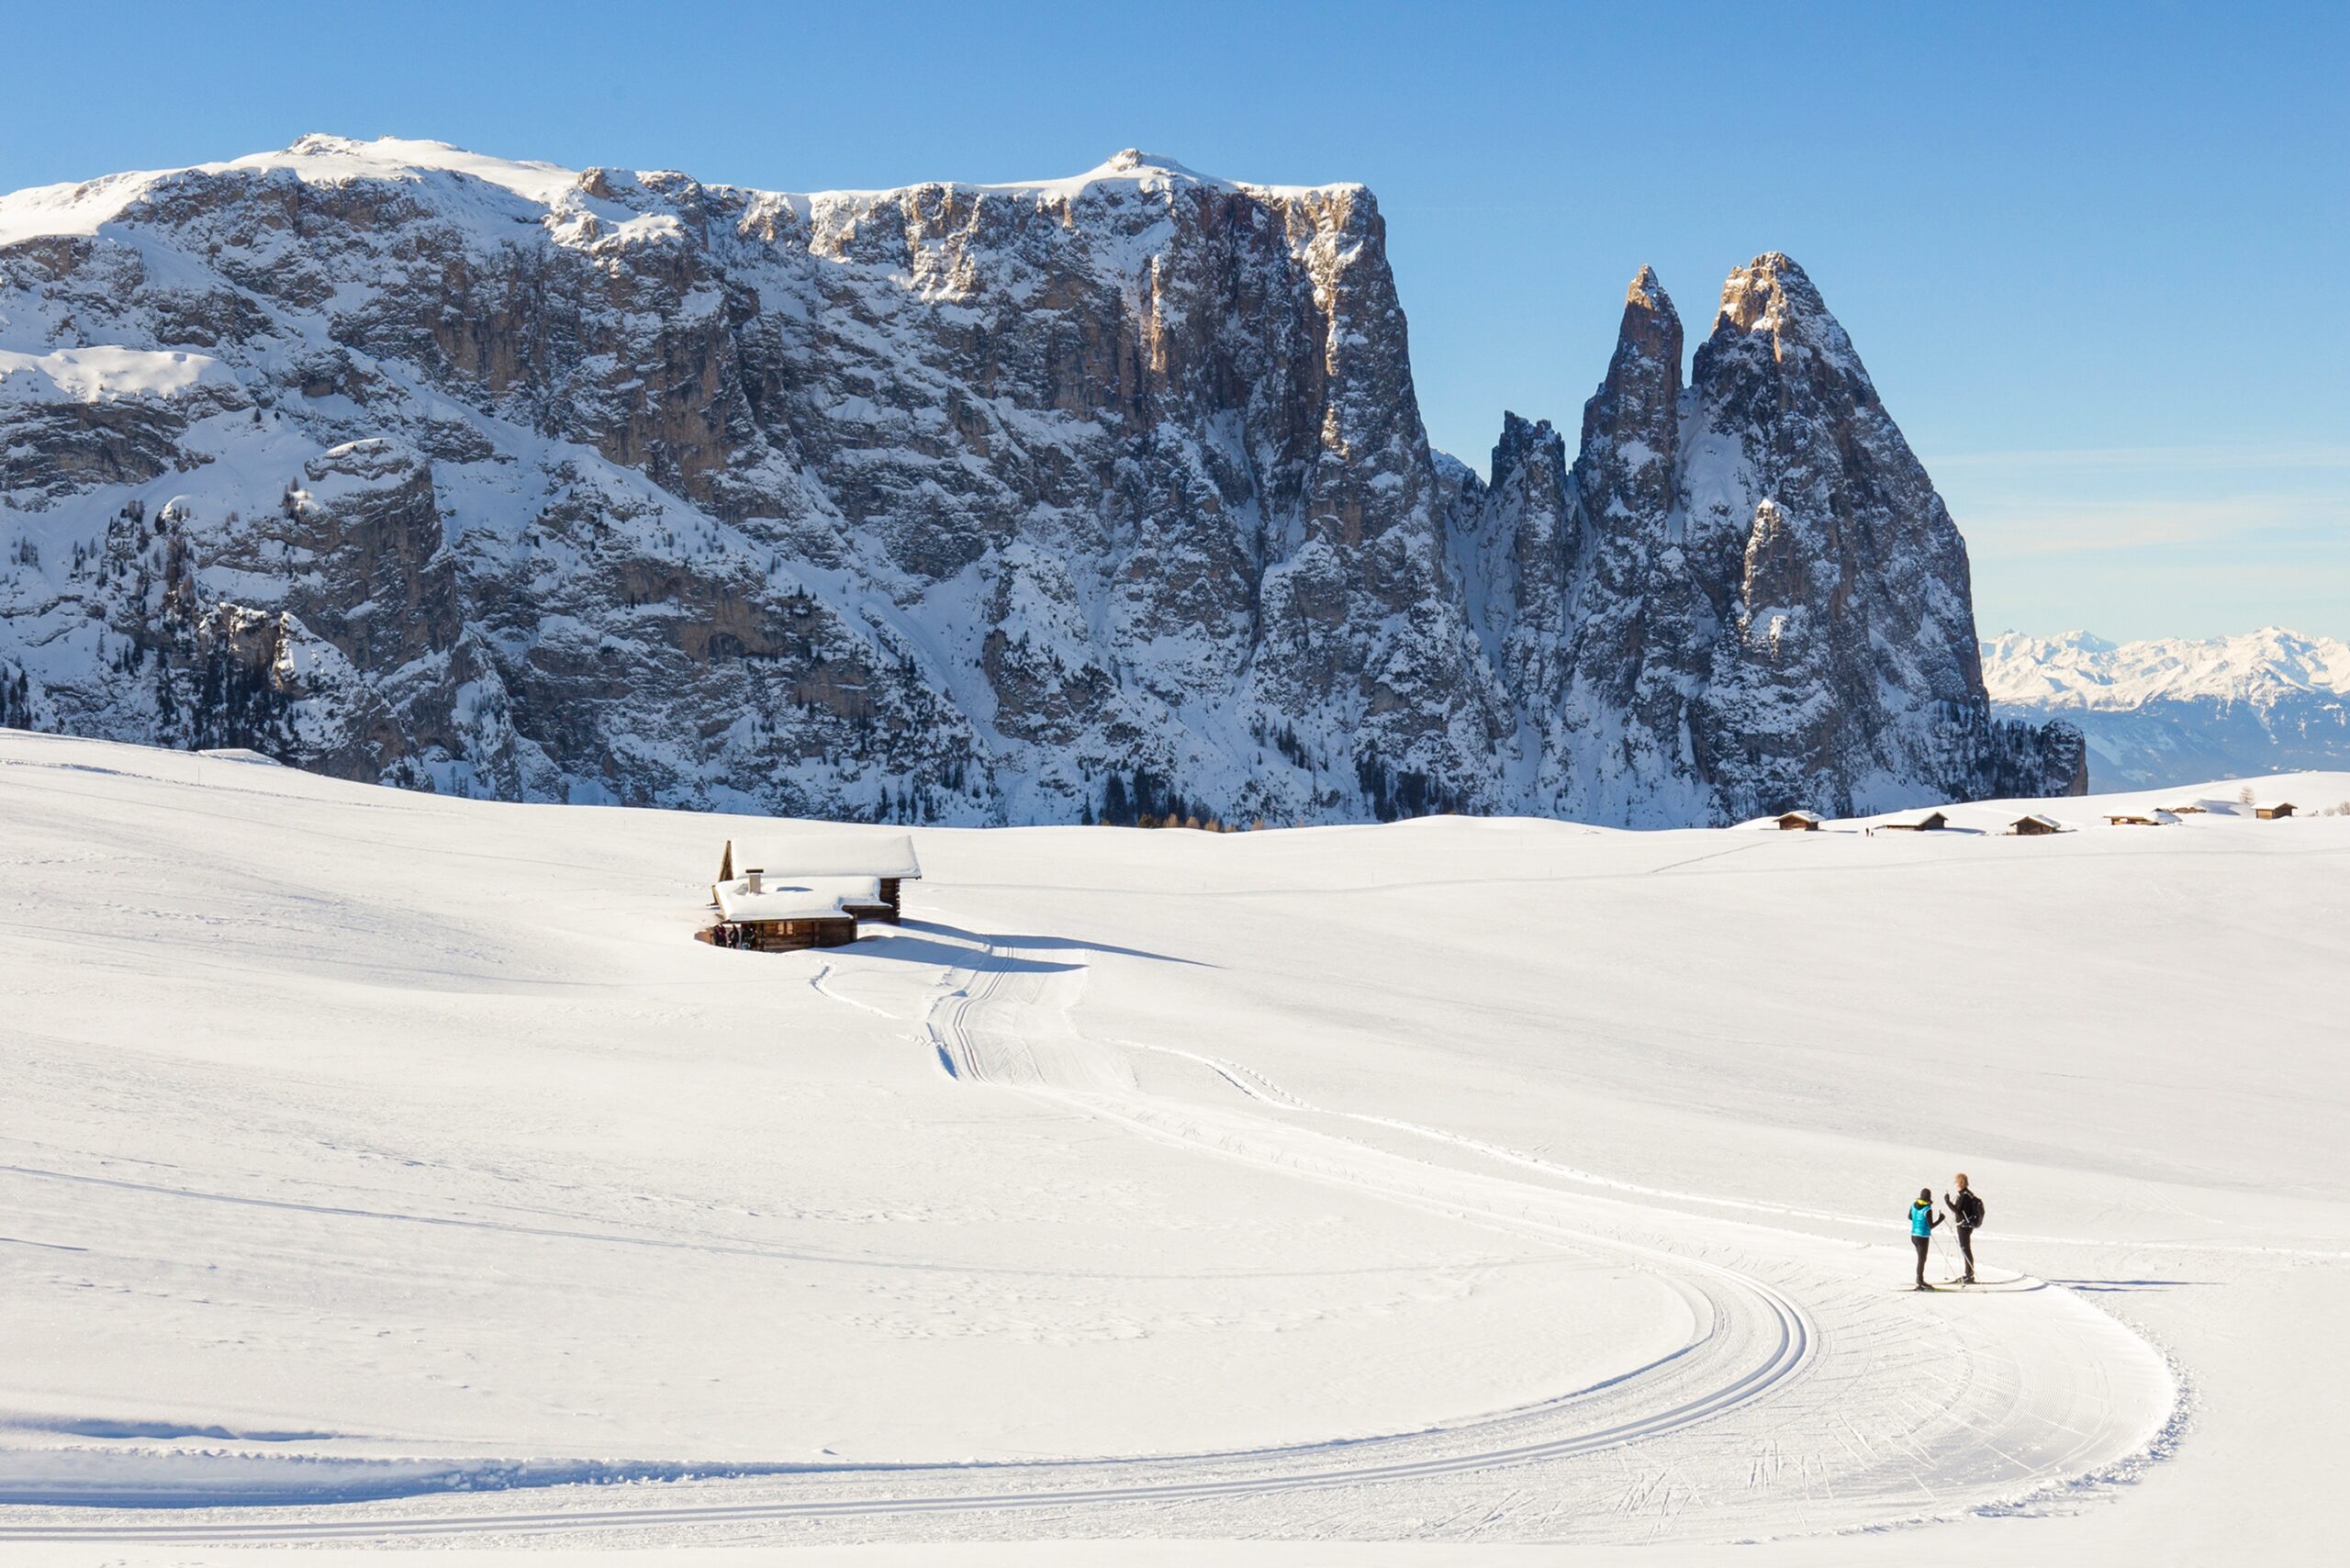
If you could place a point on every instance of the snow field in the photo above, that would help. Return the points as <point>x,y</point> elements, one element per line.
<point>1467,1180</point>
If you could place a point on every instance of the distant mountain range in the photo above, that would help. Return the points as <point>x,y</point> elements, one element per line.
<point>2178,709</point>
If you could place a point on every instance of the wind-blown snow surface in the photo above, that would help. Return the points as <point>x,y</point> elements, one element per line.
<point>380,1165</point>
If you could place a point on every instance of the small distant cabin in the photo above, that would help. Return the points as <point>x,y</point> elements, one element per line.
<point>2189,809</point>
<point>2269,810</point>
<point>867,874</point>
<point>760,912</point>
<point>1932,821</point>
<point>2141,819</point>
<point>2033,825</point>
<point>1798,821</point>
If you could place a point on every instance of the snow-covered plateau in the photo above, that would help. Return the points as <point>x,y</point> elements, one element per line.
<point>2173,710</point>
<point>380,1167</point>
<point>1086,499</point>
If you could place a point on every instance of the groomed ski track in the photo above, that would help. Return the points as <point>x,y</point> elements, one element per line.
<point>1803,1401</point>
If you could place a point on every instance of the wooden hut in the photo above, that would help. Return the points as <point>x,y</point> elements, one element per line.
<point>867,873</point>
<point>758,912</point>
<point>1799,821</point>
<point>2140,819</point>
<point>1932,821</point>
<point>2033,825</point>
<point>2269,810</point>
<point>2189,809</point>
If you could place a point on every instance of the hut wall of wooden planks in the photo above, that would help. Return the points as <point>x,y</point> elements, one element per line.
<point>783,935</point>
<point>765,915</point>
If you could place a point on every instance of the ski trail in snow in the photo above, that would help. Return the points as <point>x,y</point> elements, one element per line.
<point>1068,1069</point>
<point>824,972</point>
<point>1257,1086</point>
<point>1800,1350</point>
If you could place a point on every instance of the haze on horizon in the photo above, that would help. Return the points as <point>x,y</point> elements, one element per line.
<point>2087,259</point>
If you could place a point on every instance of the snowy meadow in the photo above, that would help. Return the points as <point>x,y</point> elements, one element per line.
<point>380,1168</point>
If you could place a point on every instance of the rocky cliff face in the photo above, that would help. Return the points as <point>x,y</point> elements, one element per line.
<point>1766,603</point>
<point>1105,496</point>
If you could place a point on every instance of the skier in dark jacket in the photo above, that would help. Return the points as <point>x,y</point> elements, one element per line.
<point>1922,1220</point>
<point>1967,1209</point>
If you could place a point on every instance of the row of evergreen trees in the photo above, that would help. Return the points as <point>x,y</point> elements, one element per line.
<point>1144,799</point>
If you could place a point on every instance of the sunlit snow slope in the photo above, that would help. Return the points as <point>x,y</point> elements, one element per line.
<point>379,1165</point>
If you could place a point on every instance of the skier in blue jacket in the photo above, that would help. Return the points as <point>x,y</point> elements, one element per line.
<point>1922,1220</point>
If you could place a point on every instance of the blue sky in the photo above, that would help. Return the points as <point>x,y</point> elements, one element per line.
<point>2093,255</point>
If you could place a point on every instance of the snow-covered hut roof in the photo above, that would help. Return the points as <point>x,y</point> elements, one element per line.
<point>798,856</point>
<point>778,899</point>
<point>1800,816</point>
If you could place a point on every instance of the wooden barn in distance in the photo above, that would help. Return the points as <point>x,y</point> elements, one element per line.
<point>811,890</point>
<point>868,872</point>
<point>768,916</point>
<point>2033,825</point>
<point>2270,811</point>
<point>1798,821</point>
<point>1931,822</point>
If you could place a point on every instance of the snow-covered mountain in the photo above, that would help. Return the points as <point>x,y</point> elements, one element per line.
<point>2175,708</point>
<point>1032,502</point>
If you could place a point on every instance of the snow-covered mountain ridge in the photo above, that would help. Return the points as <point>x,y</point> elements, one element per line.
<point>963,503</point>
<point>2171,709</point>
<point>2079,670</point>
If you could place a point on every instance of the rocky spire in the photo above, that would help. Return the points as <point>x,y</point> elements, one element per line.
<point>1646,363</point>
<point>1771,297</point>
<point>1527,537</point>
<point>1847,657</point>
<point>1764,602</point>
<point>1639,628</point>
<point>1629,426</point>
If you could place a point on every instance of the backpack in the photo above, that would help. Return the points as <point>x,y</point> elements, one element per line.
<point>1975,1222</point>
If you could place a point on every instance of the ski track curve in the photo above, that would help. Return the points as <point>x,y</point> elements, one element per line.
<point>1806,1400</point>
